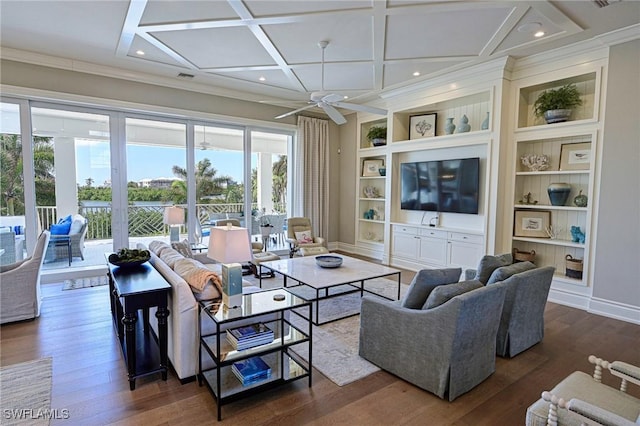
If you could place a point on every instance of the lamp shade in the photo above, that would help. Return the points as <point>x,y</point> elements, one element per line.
<point>173,215</point>
<point>229,244</point>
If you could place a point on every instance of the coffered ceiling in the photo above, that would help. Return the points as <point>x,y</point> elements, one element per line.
<point>268,51</point>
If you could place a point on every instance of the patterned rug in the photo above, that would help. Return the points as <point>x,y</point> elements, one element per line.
<point>26,393</point>
<point>335,345</point>
<point>85,282</point>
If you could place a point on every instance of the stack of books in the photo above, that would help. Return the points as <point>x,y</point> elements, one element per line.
<point>248,336</point>
<point>251,370</point>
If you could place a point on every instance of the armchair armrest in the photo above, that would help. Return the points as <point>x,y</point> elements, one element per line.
<point>319,240</point>
<point>626,372</point>
<point>583,411</point>
<point>12,266</point>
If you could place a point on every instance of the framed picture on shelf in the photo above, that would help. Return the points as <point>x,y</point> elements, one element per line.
<point>422,126</point>
<point>531,223</point>
<point>371,167</point>
<point>575,156</point>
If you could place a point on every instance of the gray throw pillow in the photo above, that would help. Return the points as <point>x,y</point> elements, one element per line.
<point>490,263</point>
<point>444,293</point>
<point>183,247</point>
<point>504,272</point>
<point>424,281</point>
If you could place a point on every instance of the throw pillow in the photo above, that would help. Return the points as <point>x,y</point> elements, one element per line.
<point>205,284</point>
<point>157,246</point>
<point>65,219</point>
<point>504,272</point>
<point>183,247</point>
<point>489,263</point>
<point>444,293</point>
<point>60,228</point>
<point>424,282</point>
<point>304,237</point>
<point>77,224</point>
<point>170,257</point>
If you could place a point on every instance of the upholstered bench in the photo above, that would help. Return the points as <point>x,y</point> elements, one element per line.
<point>260,257</point>
<point>312,251</point>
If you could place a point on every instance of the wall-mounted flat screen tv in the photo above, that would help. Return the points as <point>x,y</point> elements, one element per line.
<point>441,186</point>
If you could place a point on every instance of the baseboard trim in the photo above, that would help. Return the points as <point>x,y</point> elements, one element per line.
<point>616,310</point>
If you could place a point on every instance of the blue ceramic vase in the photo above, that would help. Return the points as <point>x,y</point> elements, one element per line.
<point>558,193</point>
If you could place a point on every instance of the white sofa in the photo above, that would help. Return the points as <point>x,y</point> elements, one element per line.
<point>183,318</point>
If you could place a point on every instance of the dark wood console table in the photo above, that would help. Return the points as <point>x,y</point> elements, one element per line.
<point>133,290</point>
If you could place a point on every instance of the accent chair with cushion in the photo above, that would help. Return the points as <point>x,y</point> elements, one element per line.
<point>446,345</point>
<point>74,227</point>
<point>20,285</point>
<point>300,234</point>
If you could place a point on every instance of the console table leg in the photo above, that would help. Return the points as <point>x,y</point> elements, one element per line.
<point>129,321</point>
<point>162,313</point>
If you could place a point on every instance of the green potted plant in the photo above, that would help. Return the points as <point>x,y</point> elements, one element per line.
<point>377,135</point>
<point>555,105</point>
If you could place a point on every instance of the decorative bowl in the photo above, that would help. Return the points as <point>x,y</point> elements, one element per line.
<point>129,258</point>
<point>128,264</point>
<point>329,261</point>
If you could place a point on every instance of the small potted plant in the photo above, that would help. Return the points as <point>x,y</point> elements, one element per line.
<point>555,105</point>
<point>377,135</point>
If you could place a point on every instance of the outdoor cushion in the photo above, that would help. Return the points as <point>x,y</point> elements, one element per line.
<point>504,272</point>
<point>424,282</point>
<point>490,263</point>
<point>60,228</point>
<point>444,293</point>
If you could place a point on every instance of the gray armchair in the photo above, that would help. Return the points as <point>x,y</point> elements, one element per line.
<point>447,350</point>
<point>20,285</point>
<point>522,320</point>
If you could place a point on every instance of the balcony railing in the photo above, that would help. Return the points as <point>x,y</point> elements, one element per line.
<point>144,221</point>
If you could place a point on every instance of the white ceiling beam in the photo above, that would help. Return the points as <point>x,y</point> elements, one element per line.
<point>379,27</point>
<point>507,26</point>
<point>130,27</point>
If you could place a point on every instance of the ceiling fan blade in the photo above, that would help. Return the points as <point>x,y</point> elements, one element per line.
<point>362,108</point>
<point>332,113</point>
<point>294,111</point>
<point>332,97</point>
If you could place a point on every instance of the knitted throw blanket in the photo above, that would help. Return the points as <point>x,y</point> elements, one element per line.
<point>198,276</point>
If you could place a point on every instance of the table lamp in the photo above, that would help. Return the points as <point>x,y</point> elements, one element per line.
<point>174,217</point>
<point>229,245</point>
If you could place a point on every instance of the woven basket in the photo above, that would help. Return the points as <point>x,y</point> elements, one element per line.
<point>523,256</point>
<point>574,267</point>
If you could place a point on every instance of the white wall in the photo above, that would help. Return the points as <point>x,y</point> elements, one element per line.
<point>617,252</point>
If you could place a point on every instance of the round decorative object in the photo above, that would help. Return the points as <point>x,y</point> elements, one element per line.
<point>535,162</point>
<point>382,171</point>
<point>129,258</point>
<point>328,261</point>
<point>580,200</point>
<point>278,297</point>
<point>464,126</point>
<point>449,127</point>
<point>558,193</point>
<point>378,142</point>
<point>556,115</point>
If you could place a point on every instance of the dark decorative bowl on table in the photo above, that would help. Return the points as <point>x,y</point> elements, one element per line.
<point>129,258</point>
<point>328,261</point>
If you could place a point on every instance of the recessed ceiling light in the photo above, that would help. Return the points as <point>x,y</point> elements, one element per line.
<point>345,97</point>
<point>415,74</point>
<point>140,52</point>
<point>262,79</point>
<point>539,34</point>
<point>530,27</point>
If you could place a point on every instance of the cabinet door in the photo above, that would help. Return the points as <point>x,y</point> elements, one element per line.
<point>405,245</point>
<point>464,255</point>
<point>433,251</point>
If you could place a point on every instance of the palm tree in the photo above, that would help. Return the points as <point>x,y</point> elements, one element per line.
<point>207,183</point>
<point>279,170</point>
<point>12,167</point>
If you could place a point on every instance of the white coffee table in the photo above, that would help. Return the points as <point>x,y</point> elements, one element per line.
<point>353,273</point>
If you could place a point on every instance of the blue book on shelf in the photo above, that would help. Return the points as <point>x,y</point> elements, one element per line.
<point>249,331</point>
<point>252,368</point>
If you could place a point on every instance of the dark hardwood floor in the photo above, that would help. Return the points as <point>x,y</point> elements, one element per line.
<point>89,376</point>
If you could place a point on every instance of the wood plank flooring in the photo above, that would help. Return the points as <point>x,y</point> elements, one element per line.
<point>89,376</point>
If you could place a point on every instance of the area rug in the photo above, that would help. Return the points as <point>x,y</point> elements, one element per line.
<point>26,392</point>
<point>335,345</point>
<point>73,284</point>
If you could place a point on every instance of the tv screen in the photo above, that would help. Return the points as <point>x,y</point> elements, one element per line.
<point>450,186</point>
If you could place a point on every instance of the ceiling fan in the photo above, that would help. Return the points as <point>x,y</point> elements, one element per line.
<point>329,101</point>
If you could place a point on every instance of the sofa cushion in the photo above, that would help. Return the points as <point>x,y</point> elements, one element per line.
<point>490,263</point>
<point>183,247</point>
<point>444,293</point>
<point>504,272</point>
<point>204,283</point>
<point>424,281</point>
<point>170,257</point>
<point>157,246</point>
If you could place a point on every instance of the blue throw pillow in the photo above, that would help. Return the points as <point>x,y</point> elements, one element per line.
<point>65,220</point>
<point>60,228</point>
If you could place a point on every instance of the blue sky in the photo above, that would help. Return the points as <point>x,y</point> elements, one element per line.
<point>93,160</point>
